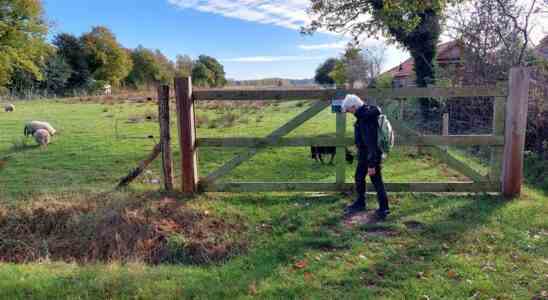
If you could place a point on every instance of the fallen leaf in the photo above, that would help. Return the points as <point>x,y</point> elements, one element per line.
<point>253,288</point>
<point>452,274</point>
<point>301,264</point>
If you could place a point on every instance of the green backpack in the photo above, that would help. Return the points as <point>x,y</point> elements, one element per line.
<point>385,135</point>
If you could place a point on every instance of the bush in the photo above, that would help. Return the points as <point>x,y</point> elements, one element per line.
<point>94,87</point>
<point>536,168</point>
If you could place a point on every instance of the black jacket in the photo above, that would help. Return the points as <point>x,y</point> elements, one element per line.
<point>366,133</point>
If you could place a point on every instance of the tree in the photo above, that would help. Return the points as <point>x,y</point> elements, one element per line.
<point>385,81</point>
<point>356,67</point>
<point>149,67</point>
<point>56,74</point>
<point>22,39</point>
<point>339,73</point>
<point>145,69</point>
<point>214,66</point>
<point>323,71</point>
<point>201,75</point>
<point>208,72</point>
<point>107,60</point>
<point>72,50</point>
<point>183,66</point>
<point>376,57</point>
<point>166,66</point>
<point>414,24</point>
<point>494,36</point>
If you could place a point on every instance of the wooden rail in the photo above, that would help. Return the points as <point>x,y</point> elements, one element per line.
<point>326,94</point>
<point>508,131</point>
<point>424,140</point>
<point>412,187</point>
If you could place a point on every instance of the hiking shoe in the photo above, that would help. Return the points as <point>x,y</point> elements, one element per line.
<point>356,207</point>
<point>381,214</point>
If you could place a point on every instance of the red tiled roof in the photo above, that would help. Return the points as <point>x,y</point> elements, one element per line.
<point>403,70</point>
<point>446,52</point>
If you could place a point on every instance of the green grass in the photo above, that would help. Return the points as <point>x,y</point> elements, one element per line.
<point>97,144</point>
<point>436,246</point>
<point>464,246</point>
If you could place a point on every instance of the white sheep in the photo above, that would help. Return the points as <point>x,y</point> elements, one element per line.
<point>9,107</point>
<point>32,127</point>
<point>42,137</point>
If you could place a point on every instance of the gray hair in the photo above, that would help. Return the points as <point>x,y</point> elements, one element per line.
<point>351,101</point>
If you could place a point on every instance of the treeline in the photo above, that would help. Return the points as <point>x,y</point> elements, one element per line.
<point>29,65</point>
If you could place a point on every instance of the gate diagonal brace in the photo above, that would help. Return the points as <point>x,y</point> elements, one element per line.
<point>442,155</point>
<point>272,138</point>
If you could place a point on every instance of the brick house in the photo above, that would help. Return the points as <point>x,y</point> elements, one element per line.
<point>448,58</point>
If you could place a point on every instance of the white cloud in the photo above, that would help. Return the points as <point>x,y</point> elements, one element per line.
<point>337,45</point>
<point>290,14</point>
<point>265,59</point>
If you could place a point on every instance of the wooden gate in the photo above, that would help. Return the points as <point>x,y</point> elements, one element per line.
<point>506,141</point>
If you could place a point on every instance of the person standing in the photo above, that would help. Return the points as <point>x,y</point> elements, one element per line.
<point>369,155</point>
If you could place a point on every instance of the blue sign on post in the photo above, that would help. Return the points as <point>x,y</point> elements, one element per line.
<point>336,104</point>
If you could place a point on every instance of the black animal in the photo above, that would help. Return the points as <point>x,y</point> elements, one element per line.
<point>317,153</point>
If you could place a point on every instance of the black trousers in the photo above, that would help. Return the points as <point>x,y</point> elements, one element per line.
<point>361,174</point>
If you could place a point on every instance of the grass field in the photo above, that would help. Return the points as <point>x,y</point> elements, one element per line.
<point>99,143</point>
<point>297,245</point>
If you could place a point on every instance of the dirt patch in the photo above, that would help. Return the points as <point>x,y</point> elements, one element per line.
<point>358,219</point>
<point>370,223</point>
<point>152,231</point>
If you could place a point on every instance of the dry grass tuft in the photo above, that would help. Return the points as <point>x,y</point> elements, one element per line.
<point>99,230</point>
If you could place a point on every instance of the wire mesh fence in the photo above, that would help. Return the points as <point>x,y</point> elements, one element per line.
<point>446,117</point>
<point>94,146</point>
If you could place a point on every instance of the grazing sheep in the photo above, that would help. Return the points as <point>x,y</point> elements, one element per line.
<point>42,137</point>
<point>32,127</point>
<point>9,107</point>
<point>318,151</point>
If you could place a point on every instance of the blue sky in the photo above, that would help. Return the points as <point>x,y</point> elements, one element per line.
<point>252,38</point>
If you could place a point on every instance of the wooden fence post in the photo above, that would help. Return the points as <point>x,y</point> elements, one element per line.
<point>516,124</point>
<point>165,136</point>
<point>497,152</point>
<point>341,150</point>
<point>445,128</point>
<point>187,135</point>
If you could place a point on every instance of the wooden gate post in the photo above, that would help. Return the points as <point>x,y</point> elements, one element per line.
<point>187,135</point>
<point>341,150</point>
<point>516,124</point>
<point>445,128</point>
<point>165,136</point>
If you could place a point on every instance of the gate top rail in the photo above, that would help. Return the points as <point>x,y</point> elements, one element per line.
<point>326,94</point>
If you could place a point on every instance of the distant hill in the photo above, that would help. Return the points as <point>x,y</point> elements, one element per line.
<point>273,82</point>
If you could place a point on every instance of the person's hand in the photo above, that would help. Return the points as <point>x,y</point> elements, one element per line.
<point>371,171</point>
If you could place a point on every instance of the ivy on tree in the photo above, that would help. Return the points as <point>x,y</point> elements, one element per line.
<point>414,24</point>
